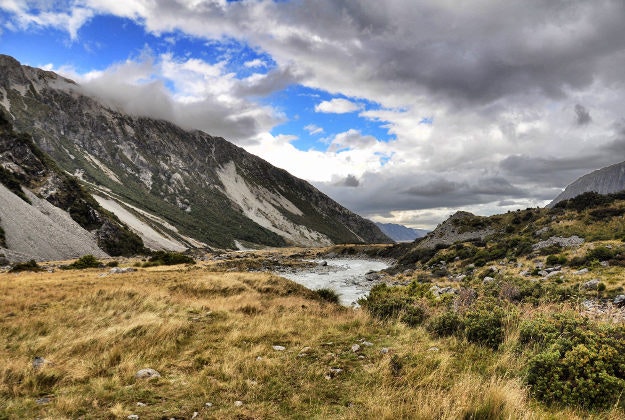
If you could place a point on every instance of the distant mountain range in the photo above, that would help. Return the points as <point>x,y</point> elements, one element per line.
<point>401,233</point>
<point>174,188</point>
<point>607,180</point>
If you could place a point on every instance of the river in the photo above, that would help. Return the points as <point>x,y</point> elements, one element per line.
<point>345,276</point>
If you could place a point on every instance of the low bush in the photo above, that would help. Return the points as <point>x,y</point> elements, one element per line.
<point>327,295</point>
<point>575,362</point>
<point>484,326</point>
<point>168,258</point>
<point>446,324</point>
<point>26,266</point>
<point>86,261</point>
<point>413,315</point>
<point>553,260</point>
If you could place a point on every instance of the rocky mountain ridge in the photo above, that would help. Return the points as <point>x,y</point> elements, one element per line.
<point>606,180</point>
<point>185,188</point>
<point>401,233</point>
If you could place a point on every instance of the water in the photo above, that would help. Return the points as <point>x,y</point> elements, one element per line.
<point>345,276</point>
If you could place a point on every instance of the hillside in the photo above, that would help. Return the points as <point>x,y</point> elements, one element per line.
<point>189,188</point>
<point>607,180</point>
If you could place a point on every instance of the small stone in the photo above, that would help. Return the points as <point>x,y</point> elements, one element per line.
<point>605,263</point>
<point>140,404</point>
<point>259,358</point>
<point>580,272</point>
<point>305,349</point>
<point>361,357</point>
<point>434,349</point>
<point>38,362</point>
<point>619,300</point>
<point>488,279</point>
<point>278,348</point>
<point>208,405</point>
<point>147,374</point>
<point>367,344</point>
<point>195,415</point>
<point>43,400</point>
<point>591,284</point>
<point>384,350</point>
<point>133,417</point>
<point>356,348</point>
<point>323,264</point>
<point>542,273</point>
<point>238,403</point>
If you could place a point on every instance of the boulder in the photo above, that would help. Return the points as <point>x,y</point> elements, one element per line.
<point>147,374</point>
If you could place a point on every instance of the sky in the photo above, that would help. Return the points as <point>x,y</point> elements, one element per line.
<point>404,111</point>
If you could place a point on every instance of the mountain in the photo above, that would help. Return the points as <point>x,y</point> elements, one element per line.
<point>175,188</point>
<point>401,233</point>
<point>46,214</point>
<point>607,180</point>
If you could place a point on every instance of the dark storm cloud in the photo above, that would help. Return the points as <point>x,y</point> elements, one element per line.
<point>582,115</point>
<point>349,181</point>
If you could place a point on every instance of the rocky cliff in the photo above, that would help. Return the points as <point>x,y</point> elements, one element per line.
<point>46,214</point>
<point>176,188</point>
<point>607,180</point>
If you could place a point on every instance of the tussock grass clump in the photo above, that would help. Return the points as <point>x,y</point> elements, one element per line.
<point>168,258</point>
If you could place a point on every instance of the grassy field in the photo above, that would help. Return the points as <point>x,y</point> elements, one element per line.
<point>211,336</point>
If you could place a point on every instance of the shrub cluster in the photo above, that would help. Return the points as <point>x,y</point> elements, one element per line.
<point>168,258</point>
<point>575,362</point>
<point>26,266</point>
<point>384,304</point>
<point>86,261</point>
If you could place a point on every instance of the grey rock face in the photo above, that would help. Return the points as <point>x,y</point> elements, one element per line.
<point>591,284</point>
<point>607,180</point>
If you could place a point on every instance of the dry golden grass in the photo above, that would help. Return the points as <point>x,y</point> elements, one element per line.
<point>210,335</point>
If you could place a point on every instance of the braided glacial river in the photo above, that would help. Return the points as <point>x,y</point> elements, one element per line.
<point>345,276</point>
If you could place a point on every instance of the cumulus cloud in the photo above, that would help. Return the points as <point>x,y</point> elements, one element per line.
<point>337,106</point>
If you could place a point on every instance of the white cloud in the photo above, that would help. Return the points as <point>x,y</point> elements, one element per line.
<point>313,129</point>
<point>255,63</point>
<point>337,106</point>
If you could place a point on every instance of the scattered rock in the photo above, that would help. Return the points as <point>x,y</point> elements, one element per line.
<point>39,362</point>
<point>434,349</point>
<point>278,348</point>
<point>208,405</point>
<point>195,415</point>
<point>147,374</point>
<point>384,350</point>
<point>543,273</point>
<point>238,403</point>
<point>619,300</point>
<point>367,344</point>
<point>43,400</point>
<point>604,263</point>
<point>439,291</point>
<point>356,348</point>
<point>323,264</point>
<point>553,274</point>
<point>591,284</point>
<point>140,404</point>
<point>133,417</point>
<point>120,270</point>
<point>541,231</point>
<point>525,273</point>
<point>580,272</point>
<point>488,279</point>
<point>572,241</point>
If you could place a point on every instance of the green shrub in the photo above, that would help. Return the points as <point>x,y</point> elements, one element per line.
<point>26,266</point>
<point>384,303</point>
<point>327,295</point>
<point>575,362</point>
<point>168,258</point>
<point>112,264</point>
<point>446,324</point>
<point>600,253</point>
<point>86,261</point>
<point>556,260</point>
<point>413,315</point>
<point>484,326</point>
